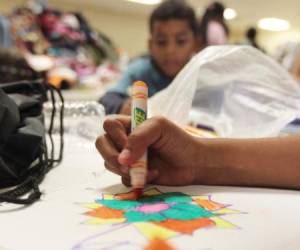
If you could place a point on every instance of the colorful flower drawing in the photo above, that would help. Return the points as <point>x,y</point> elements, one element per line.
<point>158,214</point>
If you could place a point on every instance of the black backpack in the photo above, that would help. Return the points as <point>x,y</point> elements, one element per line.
<point>24,155</point>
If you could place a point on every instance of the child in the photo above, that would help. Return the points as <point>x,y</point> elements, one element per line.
<point>171,45</point>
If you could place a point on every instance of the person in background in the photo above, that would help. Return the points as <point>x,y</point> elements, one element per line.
<point>251,36</point>
<point>212,28</point>
<point>173,28</point>
<point>176,158</point>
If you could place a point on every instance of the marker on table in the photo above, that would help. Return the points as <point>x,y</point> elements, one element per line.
<point>138,170</point>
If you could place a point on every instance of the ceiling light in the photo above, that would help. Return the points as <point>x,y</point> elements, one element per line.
<point>148,2</point>
<point>273,24</point>
<point>229,14</point>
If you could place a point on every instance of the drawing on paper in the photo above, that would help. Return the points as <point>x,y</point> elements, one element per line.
<point>158,214</point>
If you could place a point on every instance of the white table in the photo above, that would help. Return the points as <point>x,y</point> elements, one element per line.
<point>271,218</point>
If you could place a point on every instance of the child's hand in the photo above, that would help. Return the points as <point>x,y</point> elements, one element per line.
<point>173,155</point>
<point>176,158</point>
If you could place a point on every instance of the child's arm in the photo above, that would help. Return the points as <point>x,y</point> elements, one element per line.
<point>117,98</point>
<point>113,102</point>
<point>114,99</point>
<point>176,158</point>
<point>268,162</point>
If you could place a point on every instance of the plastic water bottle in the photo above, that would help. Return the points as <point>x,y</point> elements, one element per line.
<point>83,118</point>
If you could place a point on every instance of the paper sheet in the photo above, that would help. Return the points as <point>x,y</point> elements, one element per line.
<point>267,219</point>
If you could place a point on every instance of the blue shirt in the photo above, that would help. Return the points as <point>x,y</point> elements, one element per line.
<point>142,69</point>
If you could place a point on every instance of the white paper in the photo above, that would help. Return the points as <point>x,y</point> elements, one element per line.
<point>271,218</point>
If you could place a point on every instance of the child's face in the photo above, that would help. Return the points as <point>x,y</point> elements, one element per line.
<point>171,45</point>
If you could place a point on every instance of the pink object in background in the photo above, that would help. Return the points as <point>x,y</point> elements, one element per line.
<point>216,34</point>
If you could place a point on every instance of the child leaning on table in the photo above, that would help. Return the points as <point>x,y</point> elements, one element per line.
<point>172,43</point>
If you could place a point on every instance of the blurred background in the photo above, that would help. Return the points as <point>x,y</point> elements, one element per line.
<point>103,35</point>
<point>126,22</point>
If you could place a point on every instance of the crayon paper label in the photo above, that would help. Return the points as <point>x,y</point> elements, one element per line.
<point>139,116</point>
<point>138,177</point>
<point>139,164</point>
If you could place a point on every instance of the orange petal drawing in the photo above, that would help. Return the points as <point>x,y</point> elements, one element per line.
<point>159,244</point>
<point>185,227</point>
<point>106,213</point>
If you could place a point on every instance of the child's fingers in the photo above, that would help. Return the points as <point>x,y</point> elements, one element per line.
<point>117,170</point>
<point>108,150</point>
<point>147,134</point>
<point>117,132</point>
<point>126,181</point>
<point>152,176</point>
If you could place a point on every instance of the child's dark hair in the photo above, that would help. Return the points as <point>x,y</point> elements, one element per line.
<point>215,9</point>
<point>174,9</point>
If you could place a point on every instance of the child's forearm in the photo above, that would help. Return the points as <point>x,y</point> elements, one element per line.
<point>113,101</point>
<point>272,162</point>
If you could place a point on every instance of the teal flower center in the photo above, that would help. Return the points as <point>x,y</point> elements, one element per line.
<point>176,206</point>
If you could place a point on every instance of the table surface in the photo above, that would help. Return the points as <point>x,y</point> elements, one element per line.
<point>268,219</point>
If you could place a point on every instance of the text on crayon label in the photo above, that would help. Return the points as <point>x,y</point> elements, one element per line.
<point>139,116</point>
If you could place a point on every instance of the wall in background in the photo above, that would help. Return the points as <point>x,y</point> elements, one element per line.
<point>127,31</point>
<point>271,40</point>
<point>130,32</point>
<point>7,5</point>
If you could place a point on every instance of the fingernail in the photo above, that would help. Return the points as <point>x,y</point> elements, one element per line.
<point>124,156</point>
<point>124,169</point>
